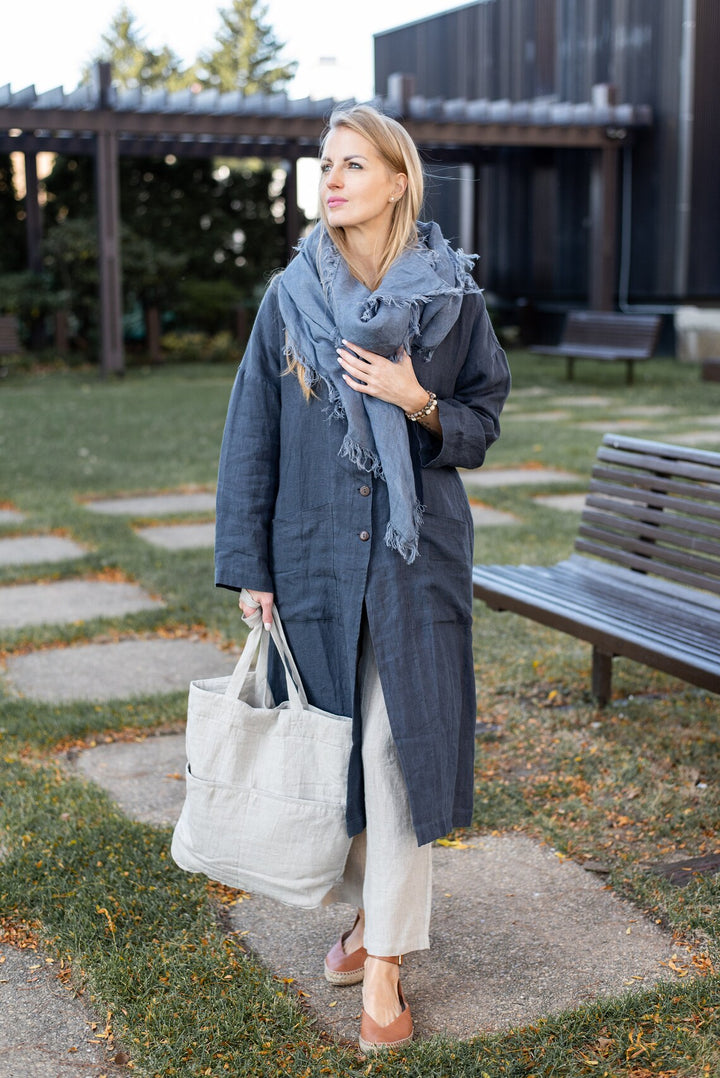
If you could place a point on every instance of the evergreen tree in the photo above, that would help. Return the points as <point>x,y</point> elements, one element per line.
<point>133,62</point>
<point>245,54</point>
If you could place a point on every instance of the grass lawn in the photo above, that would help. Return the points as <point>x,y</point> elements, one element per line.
<point>635,783</point>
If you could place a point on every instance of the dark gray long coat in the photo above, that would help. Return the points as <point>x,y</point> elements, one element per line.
<point>295,518</point>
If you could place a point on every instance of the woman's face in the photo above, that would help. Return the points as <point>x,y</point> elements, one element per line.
<point>356,185</point>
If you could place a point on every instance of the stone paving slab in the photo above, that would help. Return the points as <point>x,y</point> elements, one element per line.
<point>119,670</point>
<point>529,391</point>
<point>11,516</point>
<point>485,516</point>
<point>517,933</point>
<point>146,777</point>
<point>36,549</point>
<point>646,410</point>
<point>697,437</point>
<point>515,477</point>
<point>179,536</point>
<point>152,505</point>
<point>571,503</point>
<point>583,402</point>
<point>708,420</point>
<point>536,417</point>
<point>66,601</point>
<point>45,1031</point>
<point>612,426</point>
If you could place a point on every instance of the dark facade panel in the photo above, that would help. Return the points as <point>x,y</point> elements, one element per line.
<point>704,266</point>
<point>525,49</point>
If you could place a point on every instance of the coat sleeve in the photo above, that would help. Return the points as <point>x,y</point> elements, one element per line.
<point>248,471</point>
<point>470,418</point>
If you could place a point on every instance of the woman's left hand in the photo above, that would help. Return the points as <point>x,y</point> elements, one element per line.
<point>390,380</point>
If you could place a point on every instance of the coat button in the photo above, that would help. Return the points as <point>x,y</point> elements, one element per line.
<point>364,536</point>
<point>364,491</point>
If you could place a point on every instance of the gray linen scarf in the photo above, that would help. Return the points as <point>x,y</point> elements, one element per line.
<point>414,307</point>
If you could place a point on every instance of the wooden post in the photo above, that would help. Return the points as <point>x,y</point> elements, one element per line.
<point>292,210</point>
<point>33,231</point>
<point>601,676</point>
<point>112,358</point>
<point>61,331</point>
<point>603,228</point>
<point>33,221</point>
<point>152,334</point>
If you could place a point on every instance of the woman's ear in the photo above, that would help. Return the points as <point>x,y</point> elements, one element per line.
<point>400,186</point>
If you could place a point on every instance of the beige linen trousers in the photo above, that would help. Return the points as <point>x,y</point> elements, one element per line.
<point>386,872</point>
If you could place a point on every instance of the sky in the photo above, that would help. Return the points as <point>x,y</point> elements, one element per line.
<point>46,43</point>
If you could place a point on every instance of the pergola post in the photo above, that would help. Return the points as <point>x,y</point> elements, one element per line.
<point>292,211</point>
<point>112,359</point>
<point>33,221</point>
<point>603,228</point>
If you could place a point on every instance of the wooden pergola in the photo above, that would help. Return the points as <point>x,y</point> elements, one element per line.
<point>103,122</point>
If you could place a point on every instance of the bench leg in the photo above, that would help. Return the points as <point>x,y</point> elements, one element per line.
<point>601,676</point>
<point>570,367</point>
<point>630,373</point>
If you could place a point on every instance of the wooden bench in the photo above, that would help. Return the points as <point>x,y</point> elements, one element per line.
<point>645,581</point>
<point>606,336</point>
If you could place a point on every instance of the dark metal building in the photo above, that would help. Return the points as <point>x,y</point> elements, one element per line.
<point>532,206</point>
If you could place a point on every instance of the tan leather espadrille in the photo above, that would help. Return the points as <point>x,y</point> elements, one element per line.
<point>342,968</point>
<point>374,1038</point>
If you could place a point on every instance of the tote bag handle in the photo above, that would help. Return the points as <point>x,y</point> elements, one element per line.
<point>257,643</point>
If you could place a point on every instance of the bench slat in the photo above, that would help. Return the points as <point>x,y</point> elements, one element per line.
<point>590,599</point>
<point>655,540</point>
<point>661,512</point>
<point>666,450</point>
<point>662,467</point>
<point>631,560</point>
<point>597,627</point>
<point>599,490</point>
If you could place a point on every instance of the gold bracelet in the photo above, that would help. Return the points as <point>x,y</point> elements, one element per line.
<point>429,407</point>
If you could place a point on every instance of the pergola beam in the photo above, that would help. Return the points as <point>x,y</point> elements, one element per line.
<point>202,126</point>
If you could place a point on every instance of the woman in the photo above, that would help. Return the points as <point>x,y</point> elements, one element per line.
<point>372,373</point>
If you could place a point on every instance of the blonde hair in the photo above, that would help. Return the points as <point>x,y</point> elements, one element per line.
<point>399,153</point>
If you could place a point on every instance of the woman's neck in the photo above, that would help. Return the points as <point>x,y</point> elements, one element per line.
<point>365,249</point>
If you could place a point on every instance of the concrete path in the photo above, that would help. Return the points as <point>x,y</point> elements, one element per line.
<point>46,1031</point>
<point>569,503</point>
<point>179,536</point>
<point>67,601</point>
<point>36,549</point>
<point>121,670</point>
<point>153,505</point>
<point>516,477</point>
<point>11,516</point>
<point>610,426</point>
<point>485,516</point>
<point>517,932</point>
<point>699,437</point>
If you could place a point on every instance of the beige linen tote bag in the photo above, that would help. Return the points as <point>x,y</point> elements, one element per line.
<point>266,784</point>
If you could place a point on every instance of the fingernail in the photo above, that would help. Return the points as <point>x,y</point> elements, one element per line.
<point>267,625</point>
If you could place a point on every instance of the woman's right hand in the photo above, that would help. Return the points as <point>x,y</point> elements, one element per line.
<point>263,599</point>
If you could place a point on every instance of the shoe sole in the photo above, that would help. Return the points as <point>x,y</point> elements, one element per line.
<point>368,1047</point>
<point>351,976</point>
